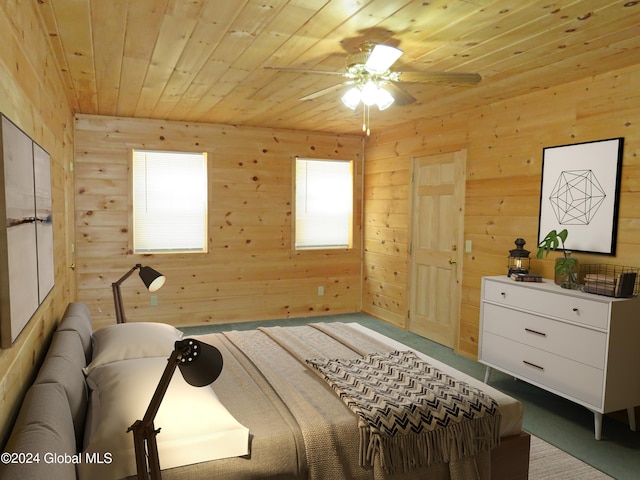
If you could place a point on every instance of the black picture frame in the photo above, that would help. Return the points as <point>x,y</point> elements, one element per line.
<point>580,192</point>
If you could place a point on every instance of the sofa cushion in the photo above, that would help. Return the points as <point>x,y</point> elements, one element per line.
<point>125,341</point>
<point>78,319</point>
<point>44,427</point>
<point>62,371</point>
<point>67,344</point>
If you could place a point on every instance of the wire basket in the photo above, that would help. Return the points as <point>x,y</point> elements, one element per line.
<point>609,280</point>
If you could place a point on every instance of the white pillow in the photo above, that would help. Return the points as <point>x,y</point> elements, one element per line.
<point>124,341</point>
<point>195,426</point>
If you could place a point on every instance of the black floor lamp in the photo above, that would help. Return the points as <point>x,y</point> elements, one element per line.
<point>151,278</point>
<point>200,365</point>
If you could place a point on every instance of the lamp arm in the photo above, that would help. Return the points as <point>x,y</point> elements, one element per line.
<point>117,295</point>
<point>161,389</point>
<point>137,266</point>
<point>144,432</point>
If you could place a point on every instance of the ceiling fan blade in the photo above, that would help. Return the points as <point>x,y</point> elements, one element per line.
<point>324,91</point>
<point>439,77</point>
<point>400,95</point>
<point>306,70</point>
<point>381,58</point>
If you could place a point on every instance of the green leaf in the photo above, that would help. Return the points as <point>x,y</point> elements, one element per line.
<point>563,235</point>
<point>552,241</point>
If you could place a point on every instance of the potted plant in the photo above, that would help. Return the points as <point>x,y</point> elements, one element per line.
<point>566,266</point>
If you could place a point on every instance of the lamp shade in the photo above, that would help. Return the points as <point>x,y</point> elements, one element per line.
<point>384,99</point>
<point>351,98</point>
<point>369,94</point>
<point>199,363</point>
<point>153,279</point>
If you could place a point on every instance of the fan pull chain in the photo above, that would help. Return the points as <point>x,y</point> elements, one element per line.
<point>365,120</point>
<point>368,122</point>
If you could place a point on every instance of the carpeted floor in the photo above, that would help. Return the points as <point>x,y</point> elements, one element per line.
<point>561,423</point>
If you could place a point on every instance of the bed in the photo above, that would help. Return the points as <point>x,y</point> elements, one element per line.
<point>290,423</point>
<point>270,415</point>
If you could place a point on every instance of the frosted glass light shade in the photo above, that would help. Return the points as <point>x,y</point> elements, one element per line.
<point>351,98</point>
<point>369,93</point>
<point>384,99</point>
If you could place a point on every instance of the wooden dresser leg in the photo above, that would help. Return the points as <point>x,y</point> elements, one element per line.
<point>631,412</point>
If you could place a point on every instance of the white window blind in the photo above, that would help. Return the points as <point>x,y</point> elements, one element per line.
<point>324,203</point>
<point>169,202</point>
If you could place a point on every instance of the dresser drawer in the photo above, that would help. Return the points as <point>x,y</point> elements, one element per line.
<point>577,343</point>
<point>545,302</point>
<point>577,380</point>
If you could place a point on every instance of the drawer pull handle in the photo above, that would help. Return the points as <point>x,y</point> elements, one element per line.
<point>574,309</point>
<point>528,330</point>
<point>533,365</point>
<point>503,294</point>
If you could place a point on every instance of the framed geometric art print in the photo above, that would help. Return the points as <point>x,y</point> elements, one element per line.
<point>580,192</point>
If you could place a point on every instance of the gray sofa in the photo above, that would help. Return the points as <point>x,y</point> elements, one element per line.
<point>48,439</point>
<point>48,433</point>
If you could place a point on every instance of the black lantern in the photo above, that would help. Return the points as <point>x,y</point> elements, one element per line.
<point>518,259</point>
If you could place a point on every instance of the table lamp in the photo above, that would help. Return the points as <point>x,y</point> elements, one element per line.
<point>200,365</point>
<point>152,279</point>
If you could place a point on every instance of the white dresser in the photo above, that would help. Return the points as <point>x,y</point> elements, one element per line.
<point>581,346</point>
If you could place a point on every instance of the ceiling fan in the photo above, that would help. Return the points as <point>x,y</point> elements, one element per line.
<point>368,73</point>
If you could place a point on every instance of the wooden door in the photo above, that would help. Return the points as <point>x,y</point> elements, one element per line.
<point>437,225</point>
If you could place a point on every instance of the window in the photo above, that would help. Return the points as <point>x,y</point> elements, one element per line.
<point>169,202</point>
<point>324,203</point>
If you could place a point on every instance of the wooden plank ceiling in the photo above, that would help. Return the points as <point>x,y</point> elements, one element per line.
<point>203,60</point>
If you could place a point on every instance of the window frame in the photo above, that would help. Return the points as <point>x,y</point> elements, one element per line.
<point>132,203</point>
<point>352,214</point>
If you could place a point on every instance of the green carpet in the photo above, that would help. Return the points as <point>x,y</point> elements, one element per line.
<point>559,422</point>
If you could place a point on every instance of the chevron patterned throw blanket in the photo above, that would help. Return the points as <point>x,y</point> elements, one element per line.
<point>411,413</point>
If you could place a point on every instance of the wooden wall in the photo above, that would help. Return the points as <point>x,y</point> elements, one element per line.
<point>32,95</point>
<point>504,142</point>
<point>251,270</point>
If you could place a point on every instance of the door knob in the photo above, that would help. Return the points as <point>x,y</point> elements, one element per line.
<point>452,261</point>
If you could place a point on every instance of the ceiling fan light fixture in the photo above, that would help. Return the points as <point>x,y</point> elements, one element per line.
<point>384,99</point>
<point>381,58</point>
<point>369,94</point>
<point>351,98</point>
